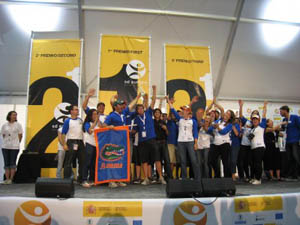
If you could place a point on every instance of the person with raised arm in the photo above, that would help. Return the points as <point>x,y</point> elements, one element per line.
<point>221,130</point>
<point>218,106</point>
<point>245,169</point>
<point>148,150</point>
<point>100,106</point>
<point>256,137</point>
<point>187,140</point>
<point>118,118</point>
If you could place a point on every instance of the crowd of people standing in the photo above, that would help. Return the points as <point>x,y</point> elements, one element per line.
<point>180,145</point>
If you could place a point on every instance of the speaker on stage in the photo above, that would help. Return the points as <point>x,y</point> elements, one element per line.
<point>54,187</point>
<point>184,188</point>
<point>218,187</point>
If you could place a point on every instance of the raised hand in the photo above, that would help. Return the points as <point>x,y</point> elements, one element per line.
<point>92,92</point>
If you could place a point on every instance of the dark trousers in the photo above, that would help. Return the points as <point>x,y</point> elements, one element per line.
<point>202,156</point>
<point>72,155</point>
<point>89,163</point>
<point>257,155</point>
<point>165,157</point>
<point>223,151</point>
<point>243,161</point>
<point>292,151</point>
<point>183,149</point>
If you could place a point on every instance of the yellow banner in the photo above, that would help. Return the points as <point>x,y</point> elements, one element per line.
<point>53,85</point>
<point>188,74</point>
<point>124,67</point>
<point>258,204</point>
<point>112,209</point>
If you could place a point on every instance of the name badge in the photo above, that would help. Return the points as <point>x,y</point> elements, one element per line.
<point>144,134</point>
<point>75,147</point>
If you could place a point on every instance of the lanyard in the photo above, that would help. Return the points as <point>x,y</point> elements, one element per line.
<point>143,120</point>
<point>121,116</point>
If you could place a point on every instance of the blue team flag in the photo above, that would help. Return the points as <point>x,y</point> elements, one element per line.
<point>113,155</point>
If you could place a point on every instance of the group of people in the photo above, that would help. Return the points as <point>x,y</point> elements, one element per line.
<point>160,143</point>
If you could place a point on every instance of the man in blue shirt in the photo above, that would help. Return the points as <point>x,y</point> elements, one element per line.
<point>119,118</point>
<point>146,132</point>
<point>292,141</point>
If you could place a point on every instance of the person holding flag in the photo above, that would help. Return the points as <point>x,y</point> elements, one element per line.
<point>118,118</point>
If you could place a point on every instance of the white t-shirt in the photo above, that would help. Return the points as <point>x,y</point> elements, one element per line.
<point>258,140</point>
<point>185,133</point>
<point>102,118</point>
<point>73,129</point>
<point>10,133</point>
<point>203,139</point>
<point>246,132</point>
<point>90,138</point>
<point>220,139</point>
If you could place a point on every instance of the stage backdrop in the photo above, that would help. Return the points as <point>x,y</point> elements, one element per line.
<point>54,81</point>
<point>113,155</point>
<point>188,73</point>
<point>123,67</point>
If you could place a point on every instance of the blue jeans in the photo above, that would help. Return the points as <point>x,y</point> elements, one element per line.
<point>183,149</point>
<point>10,158</point>
<point>202,155</point>
<point>60,162</point>
<point>90,161</point>
<point>234,157</point>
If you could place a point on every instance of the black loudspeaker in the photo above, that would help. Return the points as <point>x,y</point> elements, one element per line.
<point>218,187</point>
<point>184,188</point>
<point>54,187</point>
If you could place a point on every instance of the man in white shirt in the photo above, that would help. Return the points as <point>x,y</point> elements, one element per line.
<point>74,147</point>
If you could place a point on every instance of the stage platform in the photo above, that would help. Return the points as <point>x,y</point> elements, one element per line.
<point>272,203</point>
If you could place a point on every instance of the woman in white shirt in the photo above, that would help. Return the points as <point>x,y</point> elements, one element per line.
<point>256,137</point>
<point>90,123</point>
<point>12,133</point>
<point>221,130</point>
<point>203,147</point>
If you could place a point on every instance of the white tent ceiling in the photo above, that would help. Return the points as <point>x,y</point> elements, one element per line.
<point>253,70</point>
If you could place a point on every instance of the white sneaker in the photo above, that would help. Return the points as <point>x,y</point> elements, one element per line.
<point>256,182</point>
<point>113,185</point>
<point>85,184</point>
<point>121,184</point>
<point>146,182</point>
<point>162,180</point>
<point>7,181</point>
<point>251,181</point>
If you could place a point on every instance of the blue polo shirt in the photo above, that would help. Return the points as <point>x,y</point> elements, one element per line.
<point>117,119</point>
<point>173,132</point>
<point>293,129</point>
<point>235,140</point>
<point>145,123</point>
